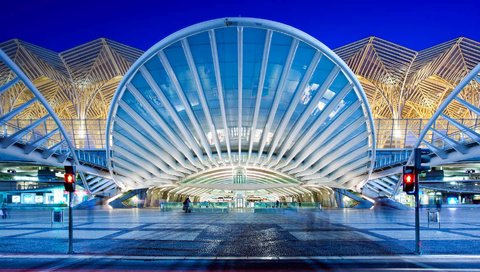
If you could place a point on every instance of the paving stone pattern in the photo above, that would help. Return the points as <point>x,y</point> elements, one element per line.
<point>281,232</point>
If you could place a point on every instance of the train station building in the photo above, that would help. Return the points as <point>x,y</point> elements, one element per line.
<point>240,111</point>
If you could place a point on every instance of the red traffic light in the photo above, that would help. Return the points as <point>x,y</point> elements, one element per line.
<point>69,178</point>
<point>69,182</point>
<point>408,178</point>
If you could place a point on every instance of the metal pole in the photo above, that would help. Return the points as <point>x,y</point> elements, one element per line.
<point>70,224</point>
<point>418,243</point>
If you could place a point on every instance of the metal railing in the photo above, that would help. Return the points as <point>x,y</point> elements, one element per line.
<point>96,157</point>
<point>403,133</point>
<point>388,158</point>
<point>391,133</point>
<point>16,125</point>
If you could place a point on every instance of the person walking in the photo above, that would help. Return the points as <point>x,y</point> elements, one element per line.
<point>4,210</point>
<point>186,205</point>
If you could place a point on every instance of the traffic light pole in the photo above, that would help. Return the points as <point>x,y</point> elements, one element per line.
<point>70,224</point>
<point>418,243</point>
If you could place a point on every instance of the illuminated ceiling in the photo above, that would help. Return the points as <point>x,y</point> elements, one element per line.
<point>78,83</point>
<point>402,83</point>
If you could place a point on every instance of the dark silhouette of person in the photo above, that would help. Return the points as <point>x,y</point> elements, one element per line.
<point>186,205</point>
<point>4,211</point>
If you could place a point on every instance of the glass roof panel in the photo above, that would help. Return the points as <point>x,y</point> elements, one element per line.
<point>184,67</point>
<point>303,57</point>
<point>228,57</point>
<point>253,47</point>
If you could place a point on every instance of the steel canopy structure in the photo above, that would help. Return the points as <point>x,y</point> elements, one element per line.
<point>405,89</point>
<point>240,104</point>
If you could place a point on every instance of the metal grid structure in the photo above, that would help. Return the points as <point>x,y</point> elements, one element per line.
<point>403,84</point>
<point>462,142</point>
<point>449,138</point>
<point>79,83</point>
<point>43,140</point>
<point>47,143</point>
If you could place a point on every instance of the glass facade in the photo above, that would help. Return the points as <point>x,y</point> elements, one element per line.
<point>256,95</point>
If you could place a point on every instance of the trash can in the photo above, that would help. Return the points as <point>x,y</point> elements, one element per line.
<point>433,215</point>
<point>57,216</point>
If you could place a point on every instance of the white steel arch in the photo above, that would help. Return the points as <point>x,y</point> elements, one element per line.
<point>37,140</point>
<point>240,93</point>
<point>463,143</point>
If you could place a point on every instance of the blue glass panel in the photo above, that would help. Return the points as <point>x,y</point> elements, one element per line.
<point>124,116</point>
<point>138,108</point>
<point>132,102</point>
<point>154,66</point>
<point>228,57</point>
<point>279,49</point>
<point>202,55</point>
<point>350,97</point>
<point>357,114</point>
<point>159,74</point>
<point>141,85</point>
<point>319,76</point>
<point>178,62</point>
<point>321,73</point>
<point>142,146</point>
<point>302,60</point>
<point>253,47</point>
<point>344,104</point>
<point>174,52</point>
<point>338,83</point>
<point>139,82</point>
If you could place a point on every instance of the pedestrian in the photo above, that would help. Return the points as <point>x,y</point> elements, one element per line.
<point>277,204</point>
<point>186,205</point>
<point>4,210</point>
<point>438,204</point>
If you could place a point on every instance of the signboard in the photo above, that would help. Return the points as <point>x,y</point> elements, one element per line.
<point>16,199</point>
<point>38,199</point>
<point>28,198</point>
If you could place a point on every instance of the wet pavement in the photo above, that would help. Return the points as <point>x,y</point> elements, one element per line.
<point>278,233</point>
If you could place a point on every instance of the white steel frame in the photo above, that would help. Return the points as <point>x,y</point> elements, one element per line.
<point>27,149</point>
<point>354,169</point>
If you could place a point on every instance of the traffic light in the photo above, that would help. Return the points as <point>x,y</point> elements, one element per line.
<point>421,157</point>
<point>69,182</point>
<point>409,176</point>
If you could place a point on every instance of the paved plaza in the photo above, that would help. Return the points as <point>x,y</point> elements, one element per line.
<point>243,233</point>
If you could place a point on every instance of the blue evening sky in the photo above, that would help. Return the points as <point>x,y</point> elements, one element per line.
<point>63,24</point>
